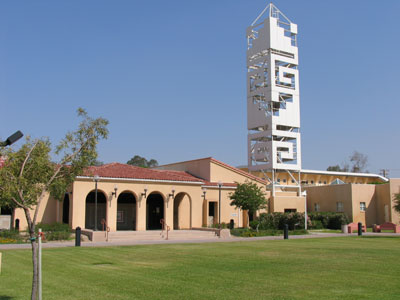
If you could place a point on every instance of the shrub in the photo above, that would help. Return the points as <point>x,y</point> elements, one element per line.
<point>54,231</point>
<point>254,224</point>
<point>10,236</point>
<point>316,224</point>
<point>278,220</point>
<point>330,220</point>
<point>245,232</point>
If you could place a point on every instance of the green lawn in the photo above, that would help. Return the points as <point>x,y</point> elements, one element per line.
<point>325,268</point>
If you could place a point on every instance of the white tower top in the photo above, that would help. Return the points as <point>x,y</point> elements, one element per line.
<point>273,102</point>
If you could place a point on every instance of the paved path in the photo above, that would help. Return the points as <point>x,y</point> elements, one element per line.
<point>133,242</point>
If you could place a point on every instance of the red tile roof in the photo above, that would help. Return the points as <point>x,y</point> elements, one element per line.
<point>118,170</point>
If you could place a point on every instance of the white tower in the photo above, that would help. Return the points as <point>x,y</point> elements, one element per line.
<point>273,103</point>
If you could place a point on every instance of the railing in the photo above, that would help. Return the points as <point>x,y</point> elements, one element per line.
<point>163,227</point>
<point>106,229</point>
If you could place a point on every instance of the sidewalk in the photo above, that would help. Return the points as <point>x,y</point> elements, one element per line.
<point>132,242</point>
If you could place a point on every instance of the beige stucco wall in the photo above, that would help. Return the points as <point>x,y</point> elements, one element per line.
<point>364,193</point>
<point>376,197</point>
<point>199,167</point>
<point>394,189</point>
<point>280,203</point>
<point>327,196</point>
<point>47,213</point>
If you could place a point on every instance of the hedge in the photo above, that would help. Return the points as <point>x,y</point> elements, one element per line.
<point>295,220</point>
<point>54,231</point>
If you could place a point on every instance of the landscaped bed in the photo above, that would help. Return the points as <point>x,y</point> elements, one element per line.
<point>248,232</point>
<point>328,268</point>
<point>52,232</point>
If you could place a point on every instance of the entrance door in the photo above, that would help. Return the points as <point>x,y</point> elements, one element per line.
<point>155,211</point>
<point>212,216</point>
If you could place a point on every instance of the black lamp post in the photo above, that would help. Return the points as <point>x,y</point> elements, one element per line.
<point>96,179</point>
<point>219,204</point>
<point>11,139</point>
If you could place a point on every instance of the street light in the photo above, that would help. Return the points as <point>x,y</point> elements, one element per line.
<point>219,205</point>
<point>11,139</point>
<point>96,179</point>
<point>304,194</point>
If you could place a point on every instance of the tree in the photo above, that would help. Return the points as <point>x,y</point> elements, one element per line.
<point>29,175</point>
<point>397,202</point>
<point>142,162</point>
<point>337,168</point>
<point>248,196</point>
<point>357,164</point>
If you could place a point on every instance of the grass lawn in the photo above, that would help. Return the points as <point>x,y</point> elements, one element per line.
<point>326,268</point>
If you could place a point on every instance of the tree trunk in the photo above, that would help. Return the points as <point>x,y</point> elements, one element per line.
<point>35,267</point>
<point>32,235</point>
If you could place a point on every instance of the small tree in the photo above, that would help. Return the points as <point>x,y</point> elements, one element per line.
<point>248,196</point>
<point>29,175</point>
<point>142,162</point>
<point>396,205</point>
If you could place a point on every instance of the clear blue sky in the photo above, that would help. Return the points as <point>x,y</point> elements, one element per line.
<point>170,76</point>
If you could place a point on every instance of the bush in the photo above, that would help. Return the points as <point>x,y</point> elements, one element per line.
<point>245,232</point>
<point>254,224</point>
<point>54,231</point>
<point>10,236</point>
<point>330,220</point>
<point>316,224</point>
<point>278,220</point>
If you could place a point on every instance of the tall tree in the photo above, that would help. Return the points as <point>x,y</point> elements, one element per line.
<point>248,196</point>
<point>29,175</point>
<point>357,163</point>
<point>142,162</point>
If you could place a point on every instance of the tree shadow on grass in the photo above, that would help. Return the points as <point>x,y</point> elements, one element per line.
<point>3,297</point>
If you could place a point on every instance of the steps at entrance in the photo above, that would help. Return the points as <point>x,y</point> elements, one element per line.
<point>154,235</point>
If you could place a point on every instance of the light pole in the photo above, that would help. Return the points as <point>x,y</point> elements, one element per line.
<point>305,209</point>
<point>11,139</point>
<point>96,179</point>
<point>219,204</point>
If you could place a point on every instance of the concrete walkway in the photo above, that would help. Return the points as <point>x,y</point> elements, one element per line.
<point>132,242</point>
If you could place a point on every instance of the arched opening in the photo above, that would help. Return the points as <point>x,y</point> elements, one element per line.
<point>126,211</point>
<point>65,210</point>
<point>154,211</point>
<point>90,210</point>
<point>182,211</point>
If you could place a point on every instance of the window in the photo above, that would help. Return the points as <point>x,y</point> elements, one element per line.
<point>324,182</point>
<point>363,207</point>
<point>284,180</point>
<point>316,207</point>
<point>312,181</point>
<point>319,182</point>
<point>339,206</point>
<point>292,180</point>
<point>279,180</point>
<point>290,210</point>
